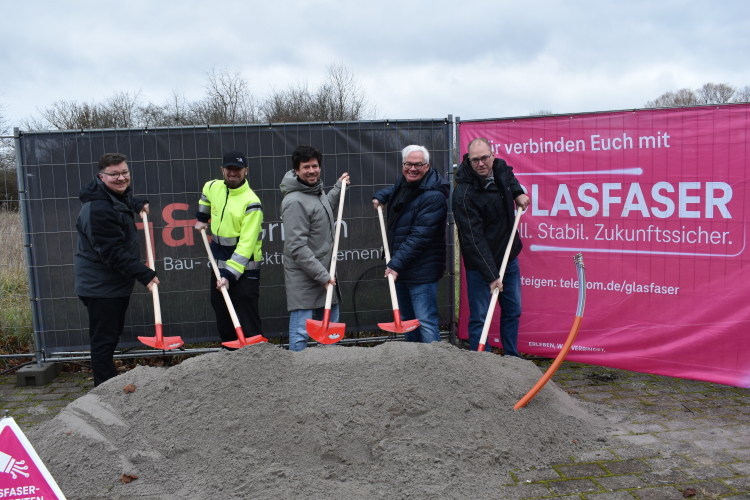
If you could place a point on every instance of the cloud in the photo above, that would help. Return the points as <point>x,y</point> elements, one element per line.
<point>416,58</point>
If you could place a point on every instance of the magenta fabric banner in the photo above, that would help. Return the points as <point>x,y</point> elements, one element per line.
<point>657,202</point>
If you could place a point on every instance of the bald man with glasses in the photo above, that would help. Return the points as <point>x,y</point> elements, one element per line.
<point>416,209</point>
<point>486,196</point>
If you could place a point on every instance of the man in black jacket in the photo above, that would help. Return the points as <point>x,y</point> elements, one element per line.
<point>107,259</point>
<point>484,200</point>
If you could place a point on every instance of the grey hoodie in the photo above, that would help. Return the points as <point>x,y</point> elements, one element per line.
<point>309,220</point>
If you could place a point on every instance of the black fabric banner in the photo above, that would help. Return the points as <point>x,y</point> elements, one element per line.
<point>170,166</point>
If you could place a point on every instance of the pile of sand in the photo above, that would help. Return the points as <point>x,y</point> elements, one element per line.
<point>395,421</point>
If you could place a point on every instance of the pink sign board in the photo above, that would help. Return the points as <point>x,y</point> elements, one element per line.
<point>657,201</point>
<point>23,476</point>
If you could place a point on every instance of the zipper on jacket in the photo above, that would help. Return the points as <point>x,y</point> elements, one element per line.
<point>226,200</point>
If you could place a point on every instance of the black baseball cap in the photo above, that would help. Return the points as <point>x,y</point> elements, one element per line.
<point>234,159</point>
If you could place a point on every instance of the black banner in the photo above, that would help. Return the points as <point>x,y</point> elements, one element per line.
<point>170,167</point>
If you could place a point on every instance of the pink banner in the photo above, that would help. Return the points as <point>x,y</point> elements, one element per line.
<point>656,200</point>
<point>23,476</point>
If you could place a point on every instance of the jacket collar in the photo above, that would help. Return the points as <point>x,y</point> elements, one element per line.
<point>290,184</point>
<point>244,188</point>
<point>431,180</point>
<point>119,201</point>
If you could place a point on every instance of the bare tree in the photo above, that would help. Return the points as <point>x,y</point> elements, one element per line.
<point>339,98</point>
<point>715,93</point>
<point>120,110</point>
<point>743,94</point>
<point>228,100</point>
<point>176,110</point>
<point>3,122</point>
<point>347,100</point>
<point>7,153</point>
<point>8,179</point>
<point>541,112</point>
<point>709,93</point>
<point>682,97</point>
<point>59,115</point>
<point>294,104</point>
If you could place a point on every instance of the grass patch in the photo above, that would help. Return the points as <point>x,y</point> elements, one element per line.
<point>16,331</point>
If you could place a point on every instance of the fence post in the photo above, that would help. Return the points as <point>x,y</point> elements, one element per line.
<point>451,231</point>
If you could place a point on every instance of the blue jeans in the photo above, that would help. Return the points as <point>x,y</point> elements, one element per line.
<point>419,301</point>
<point>510,307</point>
<point>298,336</point>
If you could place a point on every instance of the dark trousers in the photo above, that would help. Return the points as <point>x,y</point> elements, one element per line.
<point>244,293</point>
<point>510,308</point>
<point>106,323</point>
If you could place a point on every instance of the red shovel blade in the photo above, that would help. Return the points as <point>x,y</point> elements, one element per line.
<point>325,332</point>
<point>242,341</point>
<point>236,344</point>
<point>165,343</point>
<point>161,342</point>
<point>406,326</point>
<point>399,326</point>
<point>330,335</point>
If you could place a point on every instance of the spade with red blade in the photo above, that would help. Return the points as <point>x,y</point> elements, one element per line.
<point>158,342</point>
<point>241,340</point>
<point>324,331</point>
<point>398,326</point>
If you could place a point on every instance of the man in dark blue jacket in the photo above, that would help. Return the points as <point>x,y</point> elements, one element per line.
<point>417,208</point>
<point>107,259</point>
<point>484,200</point>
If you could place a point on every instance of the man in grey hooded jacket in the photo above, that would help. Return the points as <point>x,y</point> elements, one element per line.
<point>309,219</point>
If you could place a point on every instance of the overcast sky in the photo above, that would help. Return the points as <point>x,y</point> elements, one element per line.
<point>473,59</point>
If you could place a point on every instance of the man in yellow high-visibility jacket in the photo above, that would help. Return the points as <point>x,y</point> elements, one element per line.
<point>236,216</point>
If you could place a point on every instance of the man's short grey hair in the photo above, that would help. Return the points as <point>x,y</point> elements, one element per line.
<point>412,148</point>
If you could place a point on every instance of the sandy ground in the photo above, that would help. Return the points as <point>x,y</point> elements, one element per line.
<point>395,421</point>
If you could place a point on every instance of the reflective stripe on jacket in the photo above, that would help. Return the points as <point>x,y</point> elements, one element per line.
<point>236,218</point>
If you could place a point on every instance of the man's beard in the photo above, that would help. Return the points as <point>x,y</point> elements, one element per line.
<point>234,184</point>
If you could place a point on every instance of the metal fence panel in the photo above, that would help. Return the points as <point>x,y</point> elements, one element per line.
<point>170,166</point>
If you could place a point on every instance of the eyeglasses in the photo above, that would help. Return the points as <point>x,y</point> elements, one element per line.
<point>116,175</point>
<point>418,166</point>
<point>483,159</point>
